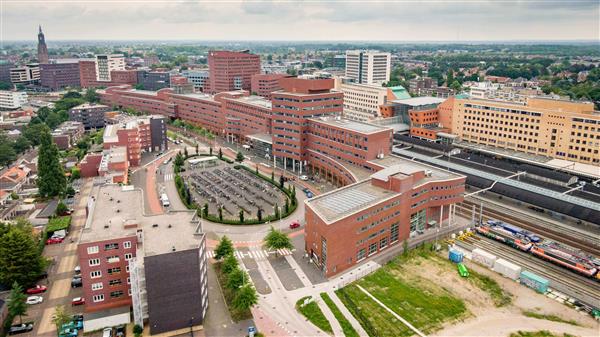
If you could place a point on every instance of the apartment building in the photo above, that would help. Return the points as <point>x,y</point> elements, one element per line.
<point>27,74</point>
<point>299,100</point>
<point>554,128</point>
<point>247,115</point>
<point>153,80</point>
<point>105,64</point>
<point>264,84</point>
<point>90,114</point>
<point>350,224</point>
<point>362,101</point>
<point>12,99</point>
<point>68,134</point>
<point>88,75</point>
<point>368,66</point>
<point>60,74</point>
<point>155,264</point>
<point>231,70</point>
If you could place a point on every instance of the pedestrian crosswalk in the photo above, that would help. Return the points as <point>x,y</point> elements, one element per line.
<point>168,176</point>
<point>255,254</point>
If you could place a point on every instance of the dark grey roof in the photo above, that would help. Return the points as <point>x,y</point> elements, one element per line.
<point>544,172</point>
<point>49,210</point>
<point>424,143</point>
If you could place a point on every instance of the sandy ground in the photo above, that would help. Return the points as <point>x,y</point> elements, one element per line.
<point>486,319</point>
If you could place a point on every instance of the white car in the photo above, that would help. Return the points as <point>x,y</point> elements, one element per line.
<point>77,269</point>
<point>304,178</point>
<point>34,300</point>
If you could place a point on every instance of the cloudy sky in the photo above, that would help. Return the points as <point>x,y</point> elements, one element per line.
<point>386,20</point>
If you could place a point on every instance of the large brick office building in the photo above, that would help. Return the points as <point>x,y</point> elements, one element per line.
<point>231,70</point>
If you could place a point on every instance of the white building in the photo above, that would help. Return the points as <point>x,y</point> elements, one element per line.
<point>12,99</point>
<point>107,63</point>
<point>197,77</point>
<point>26,74</point>
<point>362,101</point>
<point>368,66</point>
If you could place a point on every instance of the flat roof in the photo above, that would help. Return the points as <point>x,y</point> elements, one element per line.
<point>262,137</point>
<point>419,101</point>
<point>144,92</point>
<point>117,211</point>
<point>255,100</point>
<point>202,159</point>
<point>89,105</point>
<point>406,166</point>
<point>350,124</point>
<point>205,97</point>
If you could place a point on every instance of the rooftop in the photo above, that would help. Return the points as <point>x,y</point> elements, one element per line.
<point>419,101</point>
<point>258,101</point>
<point>90,105</point>
<point>350,124</point>
<point>407,166</point>
<point>117,211</point>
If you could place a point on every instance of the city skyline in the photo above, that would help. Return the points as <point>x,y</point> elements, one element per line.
<point>409,21</point>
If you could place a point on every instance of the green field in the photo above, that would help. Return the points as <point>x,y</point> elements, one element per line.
<point>421,302</point>
<point>344,323</point>
<point>314,314</point>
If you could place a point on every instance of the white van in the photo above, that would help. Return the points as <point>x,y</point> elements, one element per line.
<point>165,200</point>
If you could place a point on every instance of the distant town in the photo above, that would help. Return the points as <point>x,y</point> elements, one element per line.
<point>308,189</point>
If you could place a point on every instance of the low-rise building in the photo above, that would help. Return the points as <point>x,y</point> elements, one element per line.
<point>358,221</point>
<point>155,264</point>
<point>137,135</point>
<point>90,114</point>
<point>12,99</point>
<point>68,134</point>
<point>13,179</point>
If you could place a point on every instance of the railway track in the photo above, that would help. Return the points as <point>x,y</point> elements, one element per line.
<point>588,243</point>
<point>576,286</point>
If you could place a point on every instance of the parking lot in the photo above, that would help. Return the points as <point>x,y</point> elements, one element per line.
<point>221,185</point>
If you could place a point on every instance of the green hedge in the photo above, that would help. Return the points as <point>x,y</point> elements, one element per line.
<point>184,192</point>
<point>58,223</point>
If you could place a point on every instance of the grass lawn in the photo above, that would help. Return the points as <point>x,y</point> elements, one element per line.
<point>421,302</point>
<point>542,333</point>
<point>552,318</point>
<point>236,315</point>
<point>487,284</point>
<point>344,323</point>
<point>314,314</point>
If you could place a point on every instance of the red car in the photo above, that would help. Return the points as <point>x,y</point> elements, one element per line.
<point>294,224</point>
<point>54,240</point>
<point>36,290</point>
<point>78,301</point>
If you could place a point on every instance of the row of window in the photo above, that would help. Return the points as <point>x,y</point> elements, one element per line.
<point>108,246</point>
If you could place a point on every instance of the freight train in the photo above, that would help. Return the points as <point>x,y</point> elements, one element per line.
<point>557,253</point>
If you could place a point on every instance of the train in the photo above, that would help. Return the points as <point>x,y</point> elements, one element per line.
<point>557,253</point>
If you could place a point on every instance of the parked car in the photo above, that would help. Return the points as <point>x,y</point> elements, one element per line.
<point>304,178</point>
<point>20,328</point>
<point>107,332</point>
<point>76,281</point>
<point>309,195</point>
<point>305,190</point>
<point>120,331</point>
<point>77,270</point>
<point>54,240</point>
<point>34,300</point>
<point>68,333</point>
<point>38,289</point>
<point>77,318</point>
<point>78,301</point>
<point>294,224</point>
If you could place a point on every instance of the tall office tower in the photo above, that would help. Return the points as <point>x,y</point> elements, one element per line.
<point>368,66</point>
<point>107,63</point>
<point>231,70</point>
<point>42,53</point>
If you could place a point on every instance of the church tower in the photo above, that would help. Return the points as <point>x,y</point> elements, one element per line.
<point>42,49</point>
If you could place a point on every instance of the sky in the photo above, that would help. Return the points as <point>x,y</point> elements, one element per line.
<point>302,20</point>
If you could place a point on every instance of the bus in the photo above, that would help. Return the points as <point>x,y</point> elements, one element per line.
<point>165,200</point>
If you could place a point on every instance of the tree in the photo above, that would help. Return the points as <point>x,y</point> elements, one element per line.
<point>34,133</point>
<point>22,144</point>
<point>75,173</point>
<point>229,264</point>
<point>14,196</point>
<point>273,176</point>
<point>456,86</point>
<point>236,279</point>
<point>224,248</point>
<point>5,85</point>
<point>245,298</point>
<point>286,207</point>
<point>220,154</point>
<point>7,152</point>
<point>220,213</point>
<point>197,152</point>
<point>210,151</point>
<point>241,216</point>
<point>185,152</point>
<point>276,208</point>
<point>16,302</point>
<point>276,239</point>
<point>239,157</point>
<point>91,95</point>
<point>71,94</point>
<point>61,208</point>
<point>137,330</point>
<point>60,317</point>
<point>179,159</point>
<point>281,180</point>
<point>51,178</point>
<point>259,214</point>
<point>205,210</point>
<point>20,259</point>
<point>70,192</point>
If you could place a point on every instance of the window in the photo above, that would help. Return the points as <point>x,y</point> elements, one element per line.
<point>94,262</point>
<point>115,270</point>
<point>114,282</point>
<point>127,268</point>
<point>98,298</point>
<point>372,248</point>
<point>97,286</point>
<point>128,280</point>
<point>127,244</point>
<point>112,259</point>
<point>92,249</point>
<point>128,256</point>
<point>360,255</point>
<point>394,233</point>
<point>96,274</point>
<point>110,246</point>
<point>129,291</point>
<point>383,243</point>
<point>116,294</point>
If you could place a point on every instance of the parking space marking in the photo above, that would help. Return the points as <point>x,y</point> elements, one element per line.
<point>46,325</point>
<point>60,288</point>
<point>67,263</point>
<point>254,254</point>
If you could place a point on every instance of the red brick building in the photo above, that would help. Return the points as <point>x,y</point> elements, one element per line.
<point>350,224</point>
<point>88,78</point>
<point>149,102</point>
<point>246,116</point>
<point>231,70</point>
<point>264,84</point>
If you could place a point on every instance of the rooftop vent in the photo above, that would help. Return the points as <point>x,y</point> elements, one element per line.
<point>105,226</point>
<point>169,226</point>
<point>155,225</point>
<point>173,249</point>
